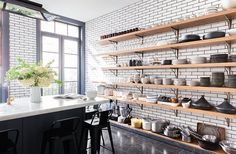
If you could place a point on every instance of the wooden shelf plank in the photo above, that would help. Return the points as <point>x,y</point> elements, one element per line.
<point>200,43</point>
<point>206,65</point>
<point>193,144</point>
<point>193,88</point>
<point>211,18</point>
<point>179,108</point>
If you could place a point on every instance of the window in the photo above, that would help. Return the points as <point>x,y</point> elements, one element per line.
<point>60,43</point>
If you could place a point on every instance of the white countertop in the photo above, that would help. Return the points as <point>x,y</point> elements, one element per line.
<point>22,107</point>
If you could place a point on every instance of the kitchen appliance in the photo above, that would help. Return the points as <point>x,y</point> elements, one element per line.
<point>226,107</point>
<point>215,34</point>
<point>202,103</point>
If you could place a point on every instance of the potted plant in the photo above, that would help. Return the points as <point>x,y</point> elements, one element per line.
<point>34,76</point>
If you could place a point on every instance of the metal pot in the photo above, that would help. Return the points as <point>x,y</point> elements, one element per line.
<point>158,126</point>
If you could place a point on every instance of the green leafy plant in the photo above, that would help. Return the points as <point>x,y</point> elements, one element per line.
<point>33,75</point>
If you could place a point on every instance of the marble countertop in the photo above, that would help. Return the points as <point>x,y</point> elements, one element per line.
<point>22,107</point>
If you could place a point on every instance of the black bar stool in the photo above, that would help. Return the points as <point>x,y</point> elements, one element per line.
<point>95,127</point>
<point>62,131</point>
<point>7,145</point>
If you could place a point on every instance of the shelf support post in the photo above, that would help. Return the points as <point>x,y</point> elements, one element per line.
<point>228,46</point>
<point>176,31</point>
<point>141,106</point>
<point>227,121</point>
<point>229,21</point>
<point>176,113</point>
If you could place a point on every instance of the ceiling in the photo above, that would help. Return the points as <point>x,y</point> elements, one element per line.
<point>83,10</point>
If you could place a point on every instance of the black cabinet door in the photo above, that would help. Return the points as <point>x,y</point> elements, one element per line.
<point>14,124</point>
<point>34,127</point>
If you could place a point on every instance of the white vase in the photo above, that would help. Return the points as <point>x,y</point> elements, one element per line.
<point>35,96</point>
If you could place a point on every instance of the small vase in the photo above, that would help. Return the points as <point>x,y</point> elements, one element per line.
<point>35,96</point>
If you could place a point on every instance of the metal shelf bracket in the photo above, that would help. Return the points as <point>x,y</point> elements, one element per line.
<point>176,31</point>
<point>227,121</point>
<point>228,46</point>
<point>229,21</point>
<point>141,37</point>
<point>176,72</point>
<point>228,70</point>
<point>140,89</point>
<point>141,106</point>
<point>176,113</point>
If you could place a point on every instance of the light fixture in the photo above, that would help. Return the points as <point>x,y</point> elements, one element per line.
<point>27,8</point>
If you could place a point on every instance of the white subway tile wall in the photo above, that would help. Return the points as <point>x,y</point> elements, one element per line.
<point>22,45</point>
<point>144,14</point>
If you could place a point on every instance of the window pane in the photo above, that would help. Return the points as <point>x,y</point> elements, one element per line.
<point>53,89</point>
<point>70,47</point>
<point>73,31</point>
<point>70,60</point>
<point>50,44</point>
<point>70,74</point>
<point>70,87</point>
<point>47,26</point>
<point>48,57</point>
<point>61,28</point>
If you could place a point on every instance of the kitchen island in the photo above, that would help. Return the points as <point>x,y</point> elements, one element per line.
<point>32,119</point>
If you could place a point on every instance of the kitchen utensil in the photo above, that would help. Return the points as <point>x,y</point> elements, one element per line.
<point>179,82</point>
<point>166,62</point>
<point>227,4</point>
<point>179,61</point>
<point>167,81</point>
<point>219,58</point>
<point>158,81</point>
<point>172,131</point>
<point>189,37</point>
<point>210,138</point>
<point>91,95</point>
<point>207,129</point>
<point>228,146</point>
<point>198,60</point>
<point>231,31</point>
<point>205,81</point>
<point>194,83</point>
<point>146,124</point>
<point>136,123</point>
<point>231,81</point>
<point>226,107</point>
<point>215,34</point>
<point>202,103</point>
<point>101,89</point>
<point>218,79</point>
<point>159,125</point>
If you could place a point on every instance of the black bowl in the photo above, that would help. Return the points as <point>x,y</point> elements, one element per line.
<point>215,34</point>
<point>189,37</point>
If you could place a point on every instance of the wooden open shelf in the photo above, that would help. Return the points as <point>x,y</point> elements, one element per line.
<point>161,48</point>
<point>206,65</point>
<point>179,108</point>
<point>192,88</point>
<point>211,18</point>
<point>193,144</point>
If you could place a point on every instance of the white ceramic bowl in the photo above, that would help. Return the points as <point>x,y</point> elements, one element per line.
<point>179,82</point>
<point>194,83</point>
<point>179,61</point>
<point>167,81</point>
<point>91,95</point>
<point>227,4</point>
<point>198,60</point>
<point>158,81</point>
<point>231,31</point>
<point>186,105</point>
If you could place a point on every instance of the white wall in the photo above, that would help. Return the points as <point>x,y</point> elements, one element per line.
<point>143,14</point>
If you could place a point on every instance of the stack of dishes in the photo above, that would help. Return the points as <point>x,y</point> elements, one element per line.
<point>211,9</point>
<point>231,81</point>
<point>194,83</point>
<point>158,81</point>
<point>151,99</point>
<point>232,31</point>
<point>198,60</point>
<point>189,38</point>
<point>218,79</point>
<point>205,81</point>
<point>167,81</point>
<point>215,34</point>
<point>180,82</point>
<point>179,61</point>
<point>232,58</point>
<point>219,58</point>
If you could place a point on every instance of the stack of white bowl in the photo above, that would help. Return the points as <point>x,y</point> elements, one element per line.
<point>179,61</point>
<point>167,81</point>
<point>198,60</point>
<point>211,9</point>
<point>180,82</point>
<point>151,99</point>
